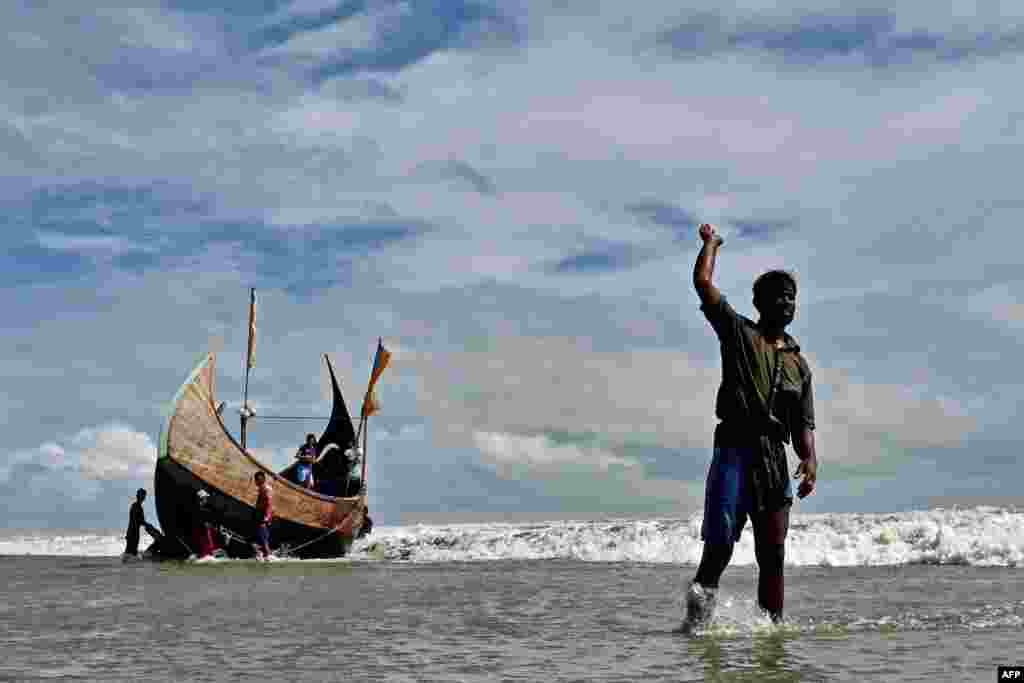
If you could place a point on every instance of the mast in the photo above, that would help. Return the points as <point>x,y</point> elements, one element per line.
<point>244,414</point>
<point>362,478</point>
<point>370,406</point>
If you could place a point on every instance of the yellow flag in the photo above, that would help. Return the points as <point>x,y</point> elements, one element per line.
<point>380,361</point>
<point>250,352</point>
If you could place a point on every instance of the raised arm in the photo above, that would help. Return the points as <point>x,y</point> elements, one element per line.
<point>704,268</point>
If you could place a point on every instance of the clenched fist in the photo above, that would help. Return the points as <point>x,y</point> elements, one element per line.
<point>708,233</point>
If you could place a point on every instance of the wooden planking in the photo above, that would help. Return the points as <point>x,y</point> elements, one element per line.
<point>198,441</point>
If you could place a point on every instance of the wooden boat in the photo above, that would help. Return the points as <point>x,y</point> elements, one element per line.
<point>196,451</point>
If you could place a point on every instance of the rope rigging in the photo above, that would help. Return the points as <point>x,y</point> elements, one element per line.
<point>285,550</point>
<point>288,417</point>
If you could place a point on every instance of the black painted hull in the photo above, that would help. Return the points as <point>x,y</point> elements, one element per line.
<point>176,489</point>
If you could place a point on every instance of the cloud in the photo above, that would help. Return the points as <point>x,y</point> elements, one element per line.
<point>539,455</point>
<point>603,258</point>
<point>506,399</point>
<point>151,28</point>
<point>584,476</point>
<point>134,49</point>
<point>874,39</point>
<point>358,88</point>
<point>67,231</point>
<point>86,227</point>
<point>403,34</point>
<point>308,258</point>
<point>679,220</point>
<point>860,423</point>
<point>760,229</point>
<point>463,171</point>
<point>320,32</point>
<point>114,452</point>
<point>533,386</point>
<point>76,470</point>
<point>1001,303</point>
<point>96,244</point>
<point>32,263</point>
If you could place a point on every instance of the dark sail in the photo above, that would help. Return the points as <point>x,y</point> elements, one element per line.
<point>339,429</point>
<point>333,465</point>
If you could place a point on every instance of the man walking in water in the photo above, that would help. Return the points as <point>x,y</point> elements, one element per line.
<point>764,401</point>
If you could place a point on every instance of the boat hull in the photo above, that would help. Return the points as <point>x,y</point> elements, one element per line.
<point>176,488</point>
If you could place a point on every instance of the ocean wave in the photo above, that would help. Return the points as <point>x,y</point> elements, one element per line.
<point>981,536</point>
<point>62,543</point>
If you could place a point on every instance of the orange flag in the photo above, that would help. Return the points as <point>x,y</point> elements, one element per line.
<point>250,351</point>
<point>380,361</point>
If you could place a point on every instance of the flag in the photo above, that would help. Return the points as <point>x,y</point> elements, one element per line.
<point>380,361</point>
<point>250,351</point>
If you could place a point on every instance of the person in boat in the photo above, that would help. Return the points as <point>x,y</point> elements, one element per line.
<point>265,514</point>
<point>204,526</point>
<point>306,455</point>
<point>765,400</point>
<point>331,471</point>
<point>352,462</point>
<point>137,522</point>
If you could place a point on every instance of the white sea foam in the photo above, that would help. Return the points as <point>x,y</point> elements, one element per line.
<point>66,543</point>
<point>982,536</point>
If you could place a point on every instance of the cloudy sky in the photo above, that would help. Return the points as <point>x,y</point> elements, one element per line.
<point>508,193</point>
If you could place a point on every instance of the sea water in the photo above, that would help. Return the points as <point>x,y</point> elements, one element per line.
<point>920,596</point>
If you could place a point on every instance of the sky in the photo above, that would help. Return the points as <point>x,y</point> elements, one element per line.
<point>508,194</point>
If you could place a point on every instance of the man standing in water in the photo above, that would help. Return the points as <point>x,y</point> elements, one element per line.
<point>137,522</point>
<point>265,512</point>
<point>764,400</point>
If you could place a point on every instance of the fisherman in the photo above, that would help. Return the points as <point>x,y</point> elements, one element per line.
<point>203,528</point>
<point>306,455</point>
<point>764,401</point>
<point>136,522</point>
<point>265,514</point>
